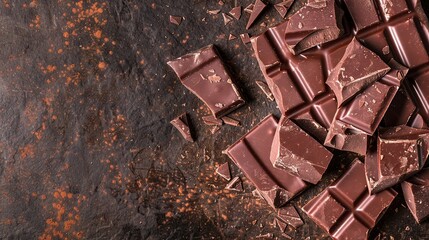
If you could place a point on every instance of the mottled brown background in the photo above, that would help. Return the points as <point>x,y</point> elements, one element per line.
<point>86,148</point>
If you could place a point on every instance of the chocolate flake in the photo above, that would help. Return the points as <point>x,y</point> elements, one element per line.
<point>176,20</point>
<point>258,7</point>
<point>283,7</point>
<point>290,216</point>
<point>226,18</point>
<point>211,120</point>
<point>214,129</point>
<point>231,37</point>
<point>230,121</point>
<point>245,38</point>
<point>265,89</point>
<point>224,171</point>
<point>182,124</point>
<point>236,12</point>
<point>214,12</point>
<point>249,8</point>
<point>235,184</point>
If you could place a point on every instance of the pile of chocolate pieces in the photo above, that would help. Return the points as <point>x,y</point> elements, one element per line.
<point>347,75</point>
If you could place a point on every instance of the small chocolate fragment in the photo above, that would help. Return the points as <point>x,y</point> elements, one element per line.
<point>231,37</point>
<point>345,209</point>
<point>398,153</point>
<point>249,8</point>
<point>258,7</point>
<point>235,184</point>
<point>256,193</point>
<point>176,20</point>
<point>316,22</point>
<point>236,12</point>
<point>230,121</point>
<point>358,68</point>
<point>281,225</point>
<point>298,153</point>
<point>214,129</point>
<point>283,7</point>
<point>290,216</point>
<point>245,38</point>
<point>213,12</point>
<point>252,155</point>
<point>210,120</point>
<point>266,90</point>
<point>182,124</point>
<point>223,171</point>
<point>204,74</point>
<point>416,194</point>
<point>226,18</point>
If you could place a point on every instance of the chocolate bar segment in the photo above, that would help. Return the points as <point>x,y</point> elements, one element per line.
<point>311,23</point>
<point>205,75</point>
<point>252,155</point>
<point>416,194</point>
<point>357,69</point>
<point>398,153</point>
<point>298,153</point>
<point>345,209</point>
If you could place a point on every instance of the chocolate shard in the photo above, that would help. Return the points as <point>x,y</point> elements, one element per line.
<point>361,116</point>
<point>249,8</point>
<point>213,12</point>
<point>235,184</point>
<point>398,153</point>
<point>231,37</point>
<point>281,225</point>
<point>283,7</point>
<point>252,155</point>
<point>290,216</point>
<point>416,194</point>
<point>230,121</point>
<point>177,20</point>
<point>226,18</point>
<point>245,38</point>
<point>211,120</point>
<point>214,129</point>
<point>224,171</point>
<point>236,12</point>
<point>258,7</point>
<point>311,23</point>
<point>256,193</point>
<point>357,69</point>
<point>182,124</point>
<point>298,153</point>
<point>345,209</point>
<point>204,74</point>
<point>265,89</point>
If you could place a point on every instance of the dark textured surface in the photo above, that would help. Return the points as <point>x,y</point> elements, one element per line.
<point>86,148</point>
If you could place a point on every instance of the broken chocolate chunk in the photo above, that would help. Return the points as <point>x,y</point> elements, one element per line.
<point>298,153</point>
<point>236,12</point>
<point>416,194</point>
<point>204,74</point>
<point>398,153</point>
<point>210,120</point>
<point>283,7</point>
<point>249,8</point>
<point>258,7</point>
<point>358,68</point>
<point>235,184</point>
<point>226,18</point>
<point>177,20</point>
<point>230,121</point>
<point>182,124</point>
<point>224,171</point>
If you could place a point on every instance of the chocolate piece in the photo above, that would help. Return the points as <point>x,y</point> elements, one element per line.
<point>266,90</point>
<point>345,209</point>
<point>236,12</point>
<point>210,120</point>
<point>231,37</point>
<point>298,153</point>
<point>182,124</point>
<point>226,18</point>
<point>314,23</point>
<point>281,225</point>
<point>290,216</point>
<point>213,12</point>
<point>258,7</point>
<point>362,115</point>
<point>249,8</point>
<point>176,20</point>
<point>398,153</point>
<point>214,129</point>
<point>400,110</point>
<point>223,171</point>
<point>252,155</point>
<point>357,69</point>
<point>230,121</point>
<point>245,38</point>
<point>256,193</point>
<point>282,7</point>
<point>235,184</point>
<point>205,75</point>
<point>416,194</point>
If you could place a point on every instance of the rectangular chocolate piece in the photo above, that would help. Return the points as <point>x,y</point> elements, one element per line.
<point>416,194</point>
<point>345,209</point>
<point>397,153</point>
<point>252,155</point>
<point>204,74</point>
<point>298,153</point>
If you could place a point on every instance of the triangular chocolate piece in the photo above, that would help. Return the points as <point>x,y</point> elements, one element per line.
<point>213,12</point>
<point>236,12</point>
<point>182,124</point>
<point>249,8</point>
<point>281,225</point>
<point>290,216</point>
<point>258,7</point>
<point>226,18</point>
<point>224,171</point>
<point>245,38</point>
<point>231,37</point>
<point>235,184</point>
<point>358,68</point>
<point>283,7</point>
<point>176,20</point>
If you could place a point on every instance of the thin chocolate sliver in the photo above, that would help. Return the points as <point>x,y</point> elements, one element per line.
<point>204,74</point>
<point>181,123</point>
<point>283,7</point>
<point>230,121</point>
<point>213,12</point>
<point>177,20</point>
<point>235,184</point>
<point>416,194</point>
<point>290,216</point>
<point>224,171</point>
<point>345,209</point>
<point>258,7</point>
<point>214,129</point>
<point>210,120</point>
<point>249,8</point>
<point>231,37</point>
<point>251,154</point>
<point>245,38</point>
<point>265,89</point>
<point>226,18</point>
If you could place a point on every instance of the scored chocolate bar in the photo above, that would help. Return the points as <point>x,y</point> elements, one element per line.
<point>204,74</point>
<point>345,209</point>
<point>252,155</point>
